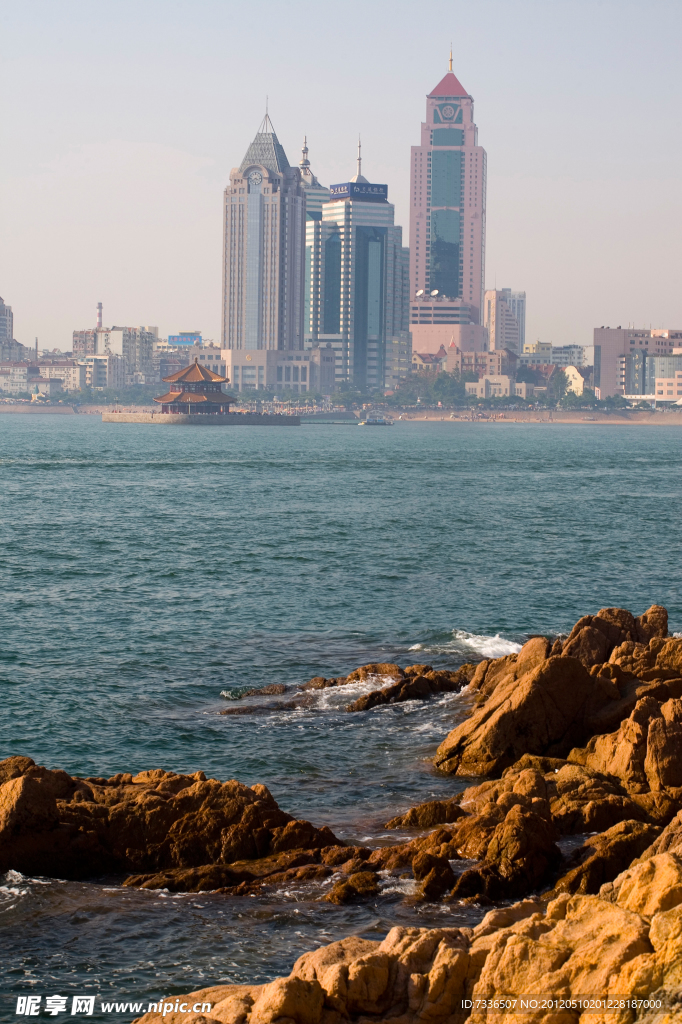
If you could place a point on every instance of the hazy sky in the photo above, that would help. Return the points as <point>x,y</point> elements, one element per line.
<point>121,119</point>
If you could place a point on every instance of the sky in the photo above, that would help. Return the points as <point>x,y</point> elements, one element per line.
<point>121,119</point>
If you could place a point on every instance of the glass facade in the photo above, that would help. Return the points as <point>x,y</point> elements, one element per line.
<point>445,252</point>
<point>332,284</point>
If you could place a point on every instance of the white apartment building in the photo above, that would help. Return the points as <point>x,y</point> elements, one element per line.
<point>71,373</point>
<point>104,371</point>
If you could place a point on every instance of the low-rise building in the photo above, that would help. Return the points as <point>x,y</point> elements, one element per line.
<point>69,371</point>
<point>15,377</point>
<point>499,386</point>
<point>576,381</point>
<point>279,370</point>
<point>427,362</point>
<point>499,362</point>
<point>48,386</point>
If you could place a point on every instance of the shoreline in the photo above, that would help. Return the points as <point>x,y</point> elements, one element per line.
<point>575,812</point>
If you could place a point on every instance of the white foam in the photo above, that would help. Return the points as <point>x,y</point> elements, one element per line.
<point>463,643</point>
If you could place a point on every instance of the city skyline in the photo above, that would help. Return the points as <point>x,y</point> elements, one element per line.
<point>91,172</point>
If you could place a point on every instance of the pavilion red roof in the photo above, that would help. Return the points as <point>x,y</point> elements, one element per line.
<point>194,373</point>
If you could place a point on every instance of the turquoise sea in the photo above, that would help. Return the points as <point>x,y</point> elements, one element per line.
<point>148,574</point>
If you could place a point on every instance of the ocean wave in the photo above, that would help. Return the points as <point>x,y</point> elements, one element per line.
<point>464,643</point>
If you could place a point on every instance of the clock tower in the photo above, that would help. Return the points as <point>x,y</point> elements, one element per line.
<point>447,222</point>
<point>264,242</point>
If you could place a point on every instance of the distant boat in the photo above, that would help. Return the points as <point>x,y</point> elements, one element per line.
<point>374,420</point>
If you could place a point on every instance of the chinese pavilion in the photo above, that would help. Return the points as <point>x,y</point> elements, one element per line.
<point>195,389</point>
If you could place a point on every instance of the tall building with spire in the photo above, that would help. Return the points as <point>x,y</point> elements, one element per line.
<point>359,299</point>
<point>447,218</point>
<point>263,252</point>
<point>316,196</point>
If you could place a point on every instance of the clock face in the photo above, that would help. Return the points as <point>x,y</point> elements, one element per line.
<point>448,112</point>
<point>255,178</point>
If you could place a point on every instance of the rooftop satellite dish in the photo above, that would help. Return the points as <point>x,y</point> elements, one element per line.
<point>435,292</point>
<point>420,292</point>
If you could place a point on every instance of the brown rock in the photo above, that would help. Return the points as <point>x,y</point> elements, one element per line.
<point>590,646</point>
<point>433,812</point>
<point>653,623</point>
<point>434,873</point>
<point>670,839</point>
<point>649,887</point>
<point>415,687</point>
<point>538,714</point>
<point>357,886</point>
<point>154,822</point>
<point>645,751</point>
<point>576,946</point>
<point>273,690</point>
<point>322,683</point>
<point>382,668</point>
<point>604,856</point>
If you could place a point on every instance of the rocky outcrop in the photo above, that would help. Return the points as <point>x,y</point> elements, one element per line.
<point>433,812</point>
<point>415,682</point>
<point>602,857</point>
<point>533,702</point>
<point>540,711</point>
<point>628,944</point>
<point>645,752</point>
<point>165,828</point>
<point>419,682</point>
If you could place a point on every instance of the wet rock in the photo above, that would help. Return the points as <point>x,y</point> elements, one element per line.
<point>337,855</point>
<point>156,821</point>
<point>538,713</point>
<point>322,683</point>
<point>262,709</point>
<point>602,857</point>
<point>415,686</point>
<point>273,690</point>
<point>360,885</point>
<point>434,873</point>
<point>433,812</point>
<point>379,668</point>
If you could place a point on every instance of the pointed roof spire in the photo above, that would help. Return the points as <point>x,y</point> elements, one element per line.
<point>266,148</point>
<point>450,85</point>
<point>305,162</point>
<point>359,176</point>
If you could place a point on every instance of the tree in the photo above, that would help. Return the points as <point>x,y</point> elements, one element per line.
<point>557,386</point>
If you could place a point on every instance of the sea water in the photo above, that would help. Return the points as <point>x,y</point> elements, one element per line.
<point>150,575</point>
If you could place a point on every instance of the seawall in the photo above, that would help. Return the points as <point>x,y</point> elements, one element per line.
<point>51,410</point>
<point>232,419</point>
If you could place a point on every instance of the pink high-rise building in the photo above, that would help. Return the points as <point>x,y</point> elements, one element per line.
<point>447,217</point>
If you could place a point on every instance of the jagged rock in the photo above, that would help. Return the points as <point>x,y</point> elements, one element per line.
<point>645,751</point>
<point>415,686</point>
<point>649,887</point>
<point>156,821</point>
<point>434,873</point>
<point>359,885</point>
<point>433,812</point>
<point>575,946</point>
<point>382,668</point>
<point>670,839</point>
<point>520,852</point>
<point>537,713</point>
<point>604,856</point>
